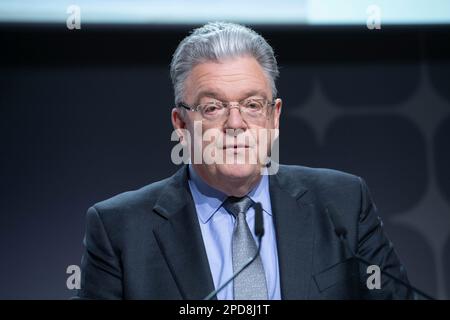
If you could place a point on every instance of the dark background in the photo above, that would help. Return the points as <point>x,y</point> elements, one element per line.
<point>85,114</point>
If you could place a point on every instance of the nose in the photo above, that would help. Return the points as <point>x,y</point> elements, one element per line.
<point>235,120</point>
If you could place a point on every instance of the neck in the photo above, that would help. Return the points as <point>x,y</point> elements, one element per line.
<point>231,186</point>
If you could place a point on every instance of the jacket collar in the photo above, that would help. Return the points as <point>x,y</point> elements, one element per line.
<point>180,240</point>
<point>292,209</point>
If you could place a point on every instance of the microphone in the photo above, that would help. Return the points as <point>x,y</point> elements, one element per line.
<point>341,232</point>
<point>259,232</point>
<point>259,221</point>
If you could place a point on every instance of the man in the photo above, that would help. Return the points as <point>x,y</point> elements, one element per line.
<point>183,237</point>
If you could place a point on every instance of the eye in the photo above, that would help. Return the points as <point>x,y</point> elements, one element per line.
<point>211,108</point>
<point>253,105</point>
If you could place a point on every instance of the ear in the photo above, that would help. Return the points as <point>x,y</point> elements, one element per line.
<point>277,113</point>
<point>178,122</point>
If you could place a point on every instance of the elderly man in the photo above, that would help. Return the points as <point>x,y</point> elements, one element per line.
<point>183,237</point>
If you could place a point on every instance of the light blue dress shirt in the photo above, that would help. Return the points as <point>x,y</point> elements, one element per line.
<point>217,226</point>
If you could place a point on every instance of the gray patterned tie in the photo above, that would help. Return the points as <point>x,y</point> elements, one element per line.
<point>250,284</point>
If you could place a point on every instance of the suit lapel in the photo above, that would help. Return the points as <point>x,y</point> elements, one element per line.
<point>180,239</point>
<point>292,212</point>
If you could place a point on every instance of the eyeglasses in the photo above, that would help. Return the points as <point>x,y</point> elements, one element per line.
<point>251,109</point>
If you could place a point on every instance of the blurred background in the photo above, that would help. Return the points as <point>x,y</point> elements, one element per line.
<point>85,100</point>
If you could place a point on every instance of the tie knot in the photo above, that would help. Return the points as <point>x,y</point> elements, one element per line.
<point>235,205</point>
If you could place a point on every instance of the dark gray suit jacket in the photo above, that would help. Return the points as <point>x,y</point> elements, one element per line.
<point>147,244</point>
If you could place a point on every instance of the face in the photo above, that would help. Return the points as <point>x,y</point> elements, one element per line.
<point>234,138</point>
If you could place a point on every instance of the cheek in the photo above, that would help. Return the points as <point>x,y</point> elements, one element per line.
<point>211,133</point>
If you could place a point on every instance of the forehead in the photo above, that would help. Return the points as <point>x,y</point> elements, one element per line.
<point>230,80</point>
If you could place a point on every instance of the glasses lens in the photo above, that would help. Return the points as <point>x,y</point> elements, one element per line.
<point>254,108</point>
<point>250,109</point>
<point>213,110</point>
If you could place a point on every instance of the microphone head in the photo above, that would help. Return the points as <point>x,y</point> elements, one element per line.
<point>339,227</point>
<point>340,231</point>
<point>259,220</point>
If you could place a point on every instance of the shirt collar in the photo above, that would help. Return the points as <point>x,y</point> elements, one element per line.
<point>208,200</point>
<point>261,194</point>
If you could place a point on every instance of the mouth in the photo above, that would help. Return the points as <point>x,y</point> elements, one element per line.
<point>236,146</point>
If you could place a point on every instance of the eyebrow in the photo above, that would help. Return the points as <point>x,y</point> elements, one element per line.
<point>219,96</point>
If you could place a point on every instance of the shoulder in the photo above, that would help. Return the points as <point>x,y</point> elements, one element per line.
<point>144,196</point>
<point>316,177</point>
<point>321,182</point>
<point>346,192</point>
<point>136,203</point>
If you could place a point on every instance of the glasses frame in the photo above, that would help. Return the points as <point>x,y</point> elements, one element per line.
<point>227,105</point>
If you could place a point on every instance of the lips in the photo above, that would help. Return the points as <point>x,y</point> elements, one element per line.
<point>235,146</point>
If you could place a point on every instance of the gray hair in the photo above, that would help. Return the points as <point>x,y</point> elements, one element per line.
<point>216,41</point>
